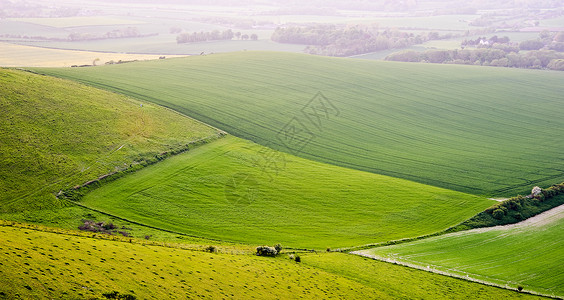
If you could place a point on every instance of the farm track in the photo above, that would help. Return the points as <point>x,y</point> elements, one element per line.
<point>528,253</point>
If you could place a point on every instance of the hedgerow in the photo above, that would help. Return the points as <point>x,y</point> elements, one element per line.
<point>515,209</point>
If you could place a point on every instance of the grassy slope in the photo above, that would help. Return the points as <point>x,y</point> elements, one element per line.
<point>35,265</point>
<point>530,253</point>
<point>56,134</point>
<point>221,190</point>
<point>38,265</point>
<point>478,130</point>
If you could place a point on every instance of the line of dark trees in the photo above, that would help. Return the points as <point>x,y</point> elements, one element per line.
<point>536,59</point>
<point>215,35</point>
<point>331,40</point>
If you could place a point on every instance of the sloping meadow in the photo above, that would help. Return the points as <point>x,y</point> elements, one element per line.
<point>56,134</point>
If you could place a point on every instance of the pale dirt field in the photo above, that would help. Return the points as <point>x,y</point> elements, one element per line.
<point>12,55</point>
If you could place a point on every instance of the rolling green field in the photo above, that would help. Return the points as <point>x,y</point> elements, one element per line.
<point>530,254</point>
<point>57,134</point>
<point>235,190</point>
<point>478,130</point>
<point>43,265</point>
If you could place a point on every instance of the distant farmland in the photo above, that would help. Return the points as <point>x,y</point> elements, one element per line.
<point>12,55</point>
<point>484,131</point>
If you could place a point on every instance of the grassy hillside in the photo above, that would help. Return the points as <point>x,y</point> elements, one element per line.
<point>56,134</point>
<point>530,254</point>
<point>478,130</point>
<point>228,190</point>
<point>39,265</point>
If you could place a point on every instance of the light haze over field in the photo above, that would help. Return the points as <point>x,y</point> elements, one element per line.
<point>251,149</point>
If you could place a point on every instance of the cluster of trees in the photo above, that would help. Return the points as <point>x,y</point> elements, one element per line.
<point>331,40</point>
<point>515,209</point>
<point>539,59</point>
<point>518,204</point>
<point>483,42</point>
<point>215,35</point>
<point>102,227</point>
<point>542,53</point>
<point>546,40</point>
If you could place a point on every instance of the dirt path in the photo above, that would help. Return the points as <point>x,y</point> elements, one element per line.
<point>499,199</point>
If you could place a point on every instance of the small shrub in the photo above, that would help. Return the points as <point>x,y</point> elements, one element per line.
<point>266,251</point>
<point>117,295</point>
<point>147,237</point>
<point>298,258</point>
<point>108,226</point>
<point>211,249</point>
<point>519,288</point>
<point>328,249</point>
<point>278,248</point>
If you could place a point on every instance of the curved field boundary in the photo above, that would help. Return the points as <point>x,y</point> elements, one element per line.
<point>454,127</point>
<point>528,254</point>
<point>464,276</point>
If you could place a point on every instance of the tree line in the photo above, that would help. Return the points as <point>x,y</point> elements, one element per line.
<point>331,40</point>
<point>538,59</point>
<point>546,40</point>
<point>214,35</point>
<point>546,52</point>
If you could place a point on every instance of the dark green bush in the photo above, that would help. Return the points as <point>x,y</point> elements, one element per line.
<point>266,251</point>
<point>498,214</point>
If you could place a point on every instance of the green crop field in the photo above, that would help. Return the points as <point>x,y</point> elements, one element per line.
<point>57,265</point>
<point>485,131</point>
<point>239,191</point>
<point>530,254</point>
<point>57,134</point>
